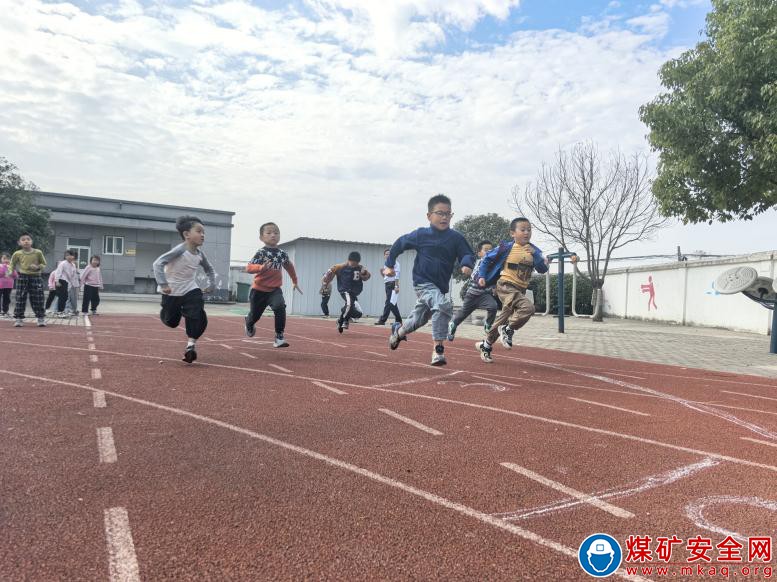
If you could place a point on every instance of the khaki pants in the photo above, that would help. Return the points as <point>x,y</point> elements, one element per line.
<point>516,309</point>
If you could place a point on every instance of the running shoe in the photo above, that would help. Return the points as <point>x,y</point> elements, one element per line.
<point>41,322</point>
<point>506,336</point>
<point>451,331</point>
<point>280,342</point>
<point>438,356</point>
<point>190,354</point>
<point>18,323</point>
<point>395,338</point>
<point>249,327</point>
<point>485,353</point>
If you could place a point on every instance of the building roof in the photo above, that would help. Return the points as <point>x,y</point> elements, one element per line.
<point>119,201</point>
<point>333,240</point>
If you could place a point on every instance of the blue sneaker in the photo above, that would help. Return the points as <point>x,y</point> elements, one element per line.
<point>395,338</point>
<point>451,331</point>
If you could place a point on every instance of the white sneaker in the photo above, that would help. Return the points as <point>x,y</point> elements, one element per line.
<point>280,342</point>
<point>18,323</point>
<point>485,353</point>
<point>438,358</point>
<point>506,336</point>
<point>41,322</point>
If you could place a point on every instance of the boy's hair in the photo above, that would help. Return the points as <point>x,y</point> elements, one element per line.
<point>438,199</point>
<point>185,223</point>
<point>265,225</point>
<point>69,253</point>
<point>386,250</point>
<point>25,234</point>
<point>93,257</point>
<point>354,256</point>
<point>515,222</point>
<point>482,243</point>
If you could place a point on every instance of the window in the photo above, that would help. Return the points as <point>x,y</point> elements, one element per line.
<point>113,245</point>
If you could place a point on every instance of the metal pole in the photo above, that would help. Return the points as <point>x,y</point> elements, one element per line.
<point>773,345</point>
<point>561,290</point>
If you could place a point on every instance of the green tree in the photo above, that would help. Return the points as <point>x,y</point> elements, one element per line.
<point>18,212</point>
<point>716,127</point>
<point>478,227</point>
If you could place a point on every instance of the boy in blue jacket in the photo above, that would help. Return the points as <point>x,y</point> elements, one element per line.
<point>437,249</point>
<point>510,265</point>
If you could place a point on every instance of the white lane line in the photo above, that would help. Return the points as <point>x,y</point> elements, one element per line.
<point>247,355</point>
<point>416,380</point>
<point>584,497</point>
<point>281,368</point>
<point>376,354</point>
<point>92,347</point>
<point>122,562</point>
<point>410,421</point>
<point>87,321</point>
<point>105,444</point>
<point>608,406</point>
<point>335,390</point>
<point>226,346</point>
<point>625,375</point>
<point>96,374</point>
<point>93,358</point>
<point>750,395</point>
<point>760,442</point>
<point>534,417</point>
<point>98,398</point>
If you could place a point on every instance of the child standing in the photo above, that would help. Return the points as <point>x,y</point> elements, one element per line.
<point>92,281</point>
<point>30,263</point>
<point>391,285</point>
<point>7,279</point>
<point>350,282</point>
<point>326,294</point>
<point>176,276</point>
<point>437,247</point>
<point>66,277</point>
<point>52,292</point>
<point>510,265</point>
<point>266,290</point>
<point>477,297</point>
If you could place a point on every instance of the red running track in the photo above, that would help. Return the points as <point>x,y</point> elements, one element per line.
<point>337,458</point>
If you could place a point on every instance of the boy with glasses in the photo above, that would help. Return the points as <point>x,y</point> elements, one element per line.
<point>437,247</point>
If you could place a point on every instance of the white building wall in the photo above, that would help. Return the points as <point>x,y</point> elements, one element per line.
<point>684,294</point>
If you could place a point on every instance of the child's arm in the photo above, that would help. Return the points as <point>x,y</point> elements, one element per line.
<point>209,271</point>
<point>289,266</point>
<point>330,274</point>
<point>486,263</point>
<point>466,256</point>
<point>58,273</point>
<point>159,266</point>
<point>256,265</point>
<point>540,262</point>
<point>84,273</point>
<point>364,274</point>
<point>404,243</point>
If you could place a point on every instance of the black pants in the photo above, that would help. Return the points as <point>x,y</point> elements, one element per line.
<point>62,296</point>
<point>261,300</point>
<point>349,310</point>
<point>5,299</point>
<point>325,304</point>
<point>53,294</point>
<point>32,286</point>
<point>390,308</point>
<point>482,300</point>
<point>91,296</point>
<point>191,307</point>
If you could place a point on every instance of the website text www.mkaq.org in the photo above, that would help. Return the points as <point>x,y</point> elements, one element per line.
<point>754,571</point>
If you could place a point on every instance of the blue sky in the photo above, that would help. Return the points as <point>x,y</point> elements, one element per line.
<point>334,118</point>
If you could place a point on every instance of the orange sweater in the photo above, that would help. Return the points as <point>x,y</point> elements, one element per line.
<point>266,265</point>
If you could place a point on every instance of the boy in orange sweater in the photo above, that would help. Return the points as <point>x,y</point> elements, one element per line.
<point>266,290</point>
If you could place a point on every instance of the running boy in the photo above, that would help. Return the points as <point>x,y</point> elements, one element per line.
<point>350,282</point>
<point>477,297</point>
<point>30,263</point>
<point>266,290</point>
<point>176,277</point>
<point>510,265</point>
<point>437,249</point>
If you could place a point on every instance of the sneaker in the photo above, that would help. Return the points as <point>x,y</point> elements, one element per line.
<point>340,326</point>
<point>280,342</point>
<point>506,336</point>
<point>485,353</point>
<point>18,323</point>
<point>451,331</point>
<point>379,322</point>
<point>345,324</point>
<point>94,313</point>
<point>438,357</point>
<point>190,354</point>
<point>394,339</point>
<point>486,327</point>
<point>249,327</point>
<point>41,322</point>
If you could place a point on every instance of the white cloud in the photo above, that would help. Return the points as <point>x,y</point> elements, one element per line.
<point>279,116</point>
<point>655,24</point>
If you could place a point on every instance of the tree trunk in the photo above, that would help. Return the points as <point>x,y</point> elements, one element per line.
<point>598,305</point>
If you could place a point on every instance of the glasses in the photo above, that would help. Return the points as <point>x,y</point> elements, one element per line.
<point>442,213</point>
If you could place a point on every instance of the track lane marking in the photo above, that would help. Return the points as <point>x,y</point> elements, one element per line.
<point>93,358</point>
<point>410,421</point>
<point>574,493</point>
<point>247,355</point>
<point>330,388</point>
<point>105,446</point>
<point>122,561</point>
<point>760,442</point>
<point>98,399</point>
<point>609,406</point>
<point>281,368</point>
<point>96,374</point>
<point>750,395</point>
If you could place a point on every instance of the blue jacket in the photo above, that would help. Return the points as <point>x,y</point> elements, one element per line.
<point>437,252</point>
<point>492,263</point>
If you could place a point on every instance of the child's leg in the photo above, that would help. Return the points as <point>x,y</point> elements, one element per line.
<point>506,293</point>
<point>22,286</point>
<point>6,300</point>
<point>61,295</point>
<point>325,305</point>
<point>421,313</point>
<point>170,314</point>
<point>95,298</point>
<point>442,311</point>
<point>278,306</point>
<point>36,297</point>
<point>355,312</point>
<point>469,305</point>
<point>193,311</point>
<point>395,312</point>
<point>258,301</point>
<point>523,309</point>
<point>73,296</point>
<point>345,311</point>
<point>86,298</point>
<point>50,299</point>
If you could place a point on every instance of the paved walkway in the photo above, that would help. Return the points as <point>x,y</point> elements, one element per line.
<point>692,347</point>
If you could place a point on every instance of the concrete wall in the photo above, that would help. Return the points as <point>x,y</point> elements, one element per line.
<point>684,294</point>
